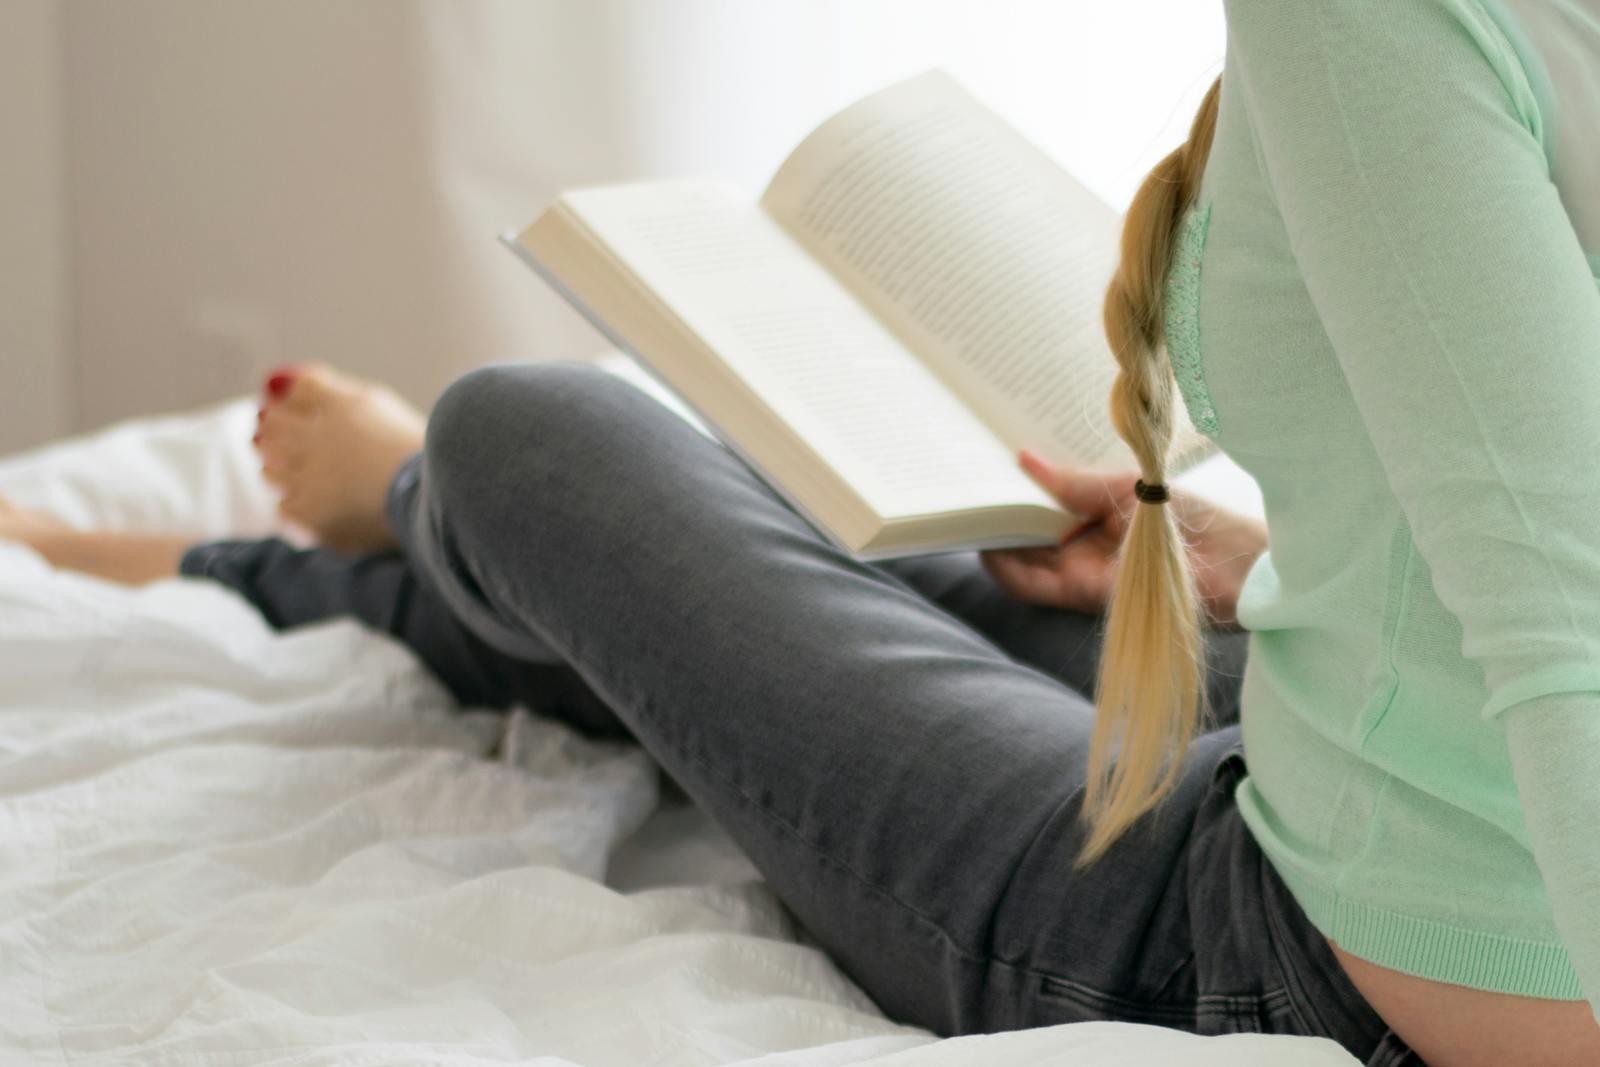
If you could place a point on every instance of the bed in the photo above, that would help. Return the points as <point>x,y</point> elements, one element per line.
<point>225,845</point>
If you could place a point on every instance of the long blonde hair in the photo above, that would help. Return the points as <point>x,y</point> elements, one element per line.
<point>1150,692</point>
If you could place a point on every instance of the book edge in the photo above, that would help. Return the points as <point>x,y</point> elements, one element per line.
<point>511,239</point>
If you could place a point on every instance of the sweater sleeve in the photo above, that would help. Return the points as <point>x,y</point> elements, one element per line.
<point>1401,143</point>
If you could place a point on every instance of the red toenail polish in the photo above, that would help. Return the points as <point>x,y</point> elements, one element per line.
<point>256,440</point>
<point>278,384</point>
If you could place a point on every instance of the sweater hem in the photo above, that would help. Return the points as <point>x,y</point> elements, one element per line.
<point>1431,949</point>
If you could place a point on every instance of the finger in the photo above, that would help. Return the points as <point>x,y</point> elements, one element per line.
<point>1084,529</point>
<point>1043,556</point>
<point>1003,568</point>
<point>1080,584</point>
<point>1089,568</point>
<point>1019,577</point>
<point>1019,561</point>
<point>1087,493</point>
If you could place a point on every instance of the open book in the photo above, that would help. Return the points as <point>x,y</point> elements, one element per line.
<point>916,297</point>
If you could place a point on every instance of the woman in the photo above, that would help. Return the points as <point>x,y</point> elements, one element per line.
<point>1366,269</point>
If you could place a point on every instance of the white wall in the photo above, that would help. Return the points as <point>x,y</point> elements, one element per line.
<point>35,349</point>
<point>258,182</point>
<point>255,183</point>
<point>1105,86</point>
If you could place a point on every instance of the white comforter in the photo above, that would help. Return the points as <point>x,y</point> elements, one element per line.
<point>222,845</point>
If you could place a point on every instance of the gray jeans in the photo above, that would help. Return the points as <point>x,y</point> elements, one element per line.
<point>898,747</point>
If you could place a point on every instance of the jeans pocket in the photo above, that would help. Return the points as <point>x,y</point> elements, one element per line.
<point>1080,1002</point>
<point>1245,1013</point>
<point>1207,1013</point>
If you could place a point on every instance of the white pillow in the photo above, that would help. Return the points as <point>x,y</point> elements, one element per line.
<point>190,473</point>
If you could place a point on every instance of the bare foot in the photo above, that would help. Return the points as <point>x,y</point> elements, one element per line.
<point>331,443</point>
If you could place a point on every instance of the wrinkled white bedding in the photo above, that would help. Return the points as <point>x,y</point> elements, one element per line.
<point>223,845</point>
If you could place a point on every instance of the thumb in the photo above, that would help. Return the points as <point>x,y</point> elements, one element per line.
<point>1090,494</point>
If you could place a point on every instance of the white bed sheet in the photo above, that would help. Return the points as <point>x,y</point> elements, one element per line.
<point>220,844</point>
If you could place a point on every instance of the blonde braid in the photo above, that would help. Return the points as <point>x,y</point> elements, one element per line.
<point>1150,693</point>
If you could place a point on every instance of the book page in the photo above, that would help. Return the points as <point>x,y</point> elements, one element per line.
<point>806,347</point>
<point>990,261</point>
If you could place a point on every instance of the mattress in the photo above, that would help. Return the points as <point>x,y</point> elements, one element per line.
<point>222,844</point>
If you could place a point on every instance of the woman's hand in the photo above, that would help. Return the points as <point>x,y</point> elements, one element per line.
<point>1079,573</point>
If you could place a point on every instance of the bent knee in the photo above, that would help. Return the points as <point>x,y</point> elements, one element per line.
<point>512,425</point>
<point>511,405</point>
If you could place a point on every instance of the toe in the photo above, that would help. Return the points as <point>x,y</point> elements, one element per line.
<point>275,475</point>
<point>283,381</point>
<point>290,510</point>
<point>280,463</point>
<point>312,389</point>
<point>280,430</point>
<point>281,444</point>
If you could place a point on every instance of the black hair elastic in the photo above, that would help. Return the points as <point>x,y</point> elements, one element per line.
<point>1150,494</point>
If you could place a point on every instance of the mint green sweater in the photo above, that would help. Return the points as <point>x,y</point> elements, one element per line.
<point>1381,310</point>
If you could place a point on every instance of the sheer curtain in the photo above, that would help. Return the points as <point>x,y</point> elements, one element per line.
<point>254,183</point>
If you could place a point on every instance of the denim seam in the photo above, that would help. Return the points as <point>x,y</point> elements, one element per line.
<point>1110,1003</point>
<point>1028,850</point>
<point>1227,1000</point>
<point>992,955</point>
<point>1254,1006</point>
<point>1276,936</point>
<point>1392,1051</point>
